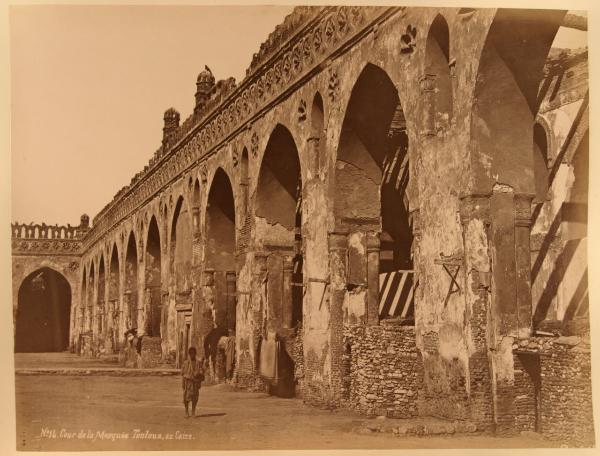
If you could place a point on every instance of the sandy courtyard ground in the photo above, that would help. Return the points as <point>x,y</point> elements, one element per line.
<point>57,412</point>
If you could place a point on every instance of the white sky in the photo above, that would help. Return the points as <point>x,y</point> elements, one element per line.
<point>90,86</point>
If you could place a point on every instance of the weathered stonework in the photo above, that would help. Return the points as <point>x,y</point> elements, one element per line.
<point>384,370</point>
<point>363,141</point>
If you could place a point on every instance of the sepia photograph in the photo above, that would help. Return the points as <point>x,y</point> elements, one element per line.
<point>299,227</point>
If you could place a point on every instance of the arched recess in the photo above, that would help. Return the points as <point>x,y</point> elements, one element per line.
<point>152,297</point>
<point>165,223</point>
<point>90,298</point>
<point>505,105</point>
<point>101,298</point>
<point>130,286</point>
<point>278,207</point>
<point>181,248</point>
<point>371,179</point>
<point>179,324</point>
<point>506,98</point>
<point>43,312</point>
<point>219,257</point>
<point>196,210</point>
<point>278,226</point>
<point>317,125</point>
<point>436,81</point>
<point>244,215</point>
<point>114,287</point>
<point>83,302</point>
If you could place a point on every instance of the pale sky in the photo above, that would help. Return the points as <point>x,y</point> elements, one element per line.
<point>90,85</point>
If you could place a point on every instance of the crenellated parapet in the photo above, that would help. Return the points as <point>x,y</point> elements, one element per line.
<point>43,231</point>
<point>42,239</point>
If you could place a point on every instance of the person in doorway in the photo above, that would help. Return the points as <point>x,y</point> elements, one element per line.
<point>211,342</point>
<point>229,354</point>
<point>192,377</point>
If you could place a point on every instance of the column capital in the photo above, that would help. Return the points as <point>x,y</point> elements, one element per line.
<point>523,209</point>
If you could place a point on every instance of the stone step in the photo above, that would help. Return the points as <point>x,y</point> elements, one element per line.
<point>108,371</point>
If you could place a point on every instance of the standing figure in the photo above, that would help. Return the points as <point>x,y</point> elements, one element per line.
<point>192,376</point>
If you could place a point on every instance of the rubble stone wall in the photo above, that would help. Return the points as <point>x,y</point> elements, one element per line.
<point>386,370</point>
<point>566,395</point>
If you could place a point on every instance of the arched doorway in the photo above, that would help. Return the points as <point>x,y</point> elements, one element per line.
<point>43,312</point>
<point>371,180</point>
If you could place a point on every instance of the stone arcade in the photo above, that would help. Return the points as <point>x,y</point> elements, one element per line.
<point>399,195</point>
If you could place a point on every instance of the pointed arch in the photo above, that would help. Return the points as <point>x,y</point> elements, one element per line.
<point>43,312</point>
<point>510,70</point>
<point>317,133</point>
<point>181,246</point>
<point>130,286</point>
<point>220,248</point>
<point>83,300</point>
<point>279,180</point>
<point>196,202</point>
<point>438,109</point>
<point>370,190</point>
<point>279,204</point>
<point>100,301</point>
<point>90,297</point>
<point>152,301</point>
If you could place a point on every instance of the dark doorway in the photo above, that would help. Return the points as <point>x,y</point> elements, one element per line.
<point>43,313</point>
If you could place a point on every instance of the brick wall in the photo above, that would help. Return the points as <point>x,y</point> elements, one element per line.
<point>384,370</point>
<point>551,392</point>
<point>526,391</point>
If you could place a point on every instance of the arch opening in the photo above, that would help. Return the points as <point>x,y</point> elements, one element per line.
<point>437,72</point>
<point>82,304</point>
<point>180,278</point>
<point>181,252</point>
<point>279,204</point>
<point>152,299</point>
<point>90,299</point>
<point>317,125</point>
<point>220,250</point>
<point>130,287</point>
<point>279,222</point>
<point>113,297</point>
<point>371,182</point>
<point>100,304</point>
<point>43,312</point>
<point>196,208</point>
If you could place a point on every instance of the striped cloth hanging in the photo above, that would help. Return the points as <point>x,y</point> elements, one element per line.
<point>396,294</point>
